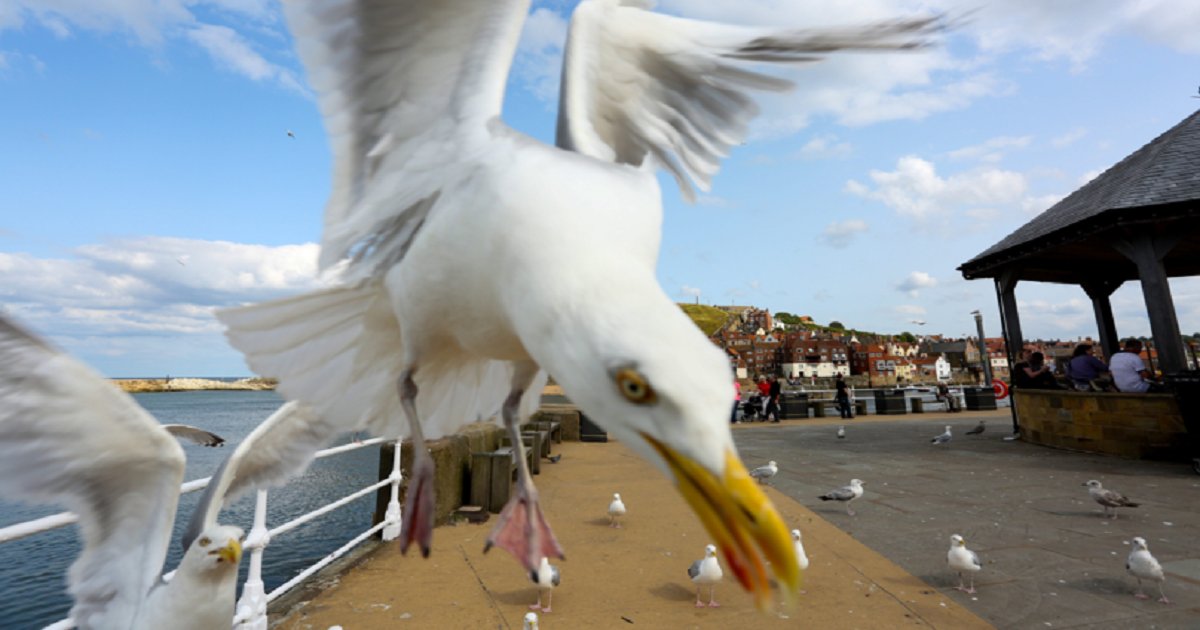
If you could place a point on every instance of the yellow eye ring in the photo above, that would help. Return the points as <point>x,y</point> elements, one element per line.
<point>204,542</point>
<point>634,387</point>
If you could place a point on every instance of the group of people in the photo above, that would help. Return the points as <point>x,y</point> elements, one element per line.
<point>769,399</point>
<point>1125,371</point>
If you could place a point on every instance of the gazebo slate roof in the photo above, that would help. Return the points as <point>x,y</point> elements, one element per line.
<point>1159,181</point>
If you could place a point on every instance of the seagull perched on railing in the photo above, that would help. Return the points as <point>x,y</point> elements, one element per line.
<point>472,256</point>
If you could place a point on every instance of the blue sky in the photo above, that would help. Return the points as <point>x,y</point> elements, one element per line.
<point>149,176</point>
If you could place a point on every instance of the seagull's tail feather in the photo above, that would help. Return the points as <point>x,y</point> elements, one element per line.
<point>339,350</point>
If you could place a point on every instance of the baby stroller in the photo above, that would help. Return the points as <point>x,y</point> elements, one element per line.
<point>752,409</point>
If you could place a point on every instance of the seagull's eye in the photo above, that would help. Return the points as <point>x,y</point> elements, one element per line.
<point>204,542</point>
<point>634,387</point>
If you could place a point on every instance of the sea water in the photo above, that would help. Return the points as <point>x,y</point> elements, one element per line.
<point>33,570</point>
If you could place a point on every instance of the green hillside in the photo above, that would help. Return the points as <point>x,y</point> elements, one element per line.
<point>707,318</point>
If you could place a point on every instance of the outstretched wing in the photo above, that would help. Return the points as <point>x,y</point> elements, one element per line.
<point>638,84</point>
<point>406,88</point>
<point>195,435</point>
<point>68,436</point>
<point>274,452</point>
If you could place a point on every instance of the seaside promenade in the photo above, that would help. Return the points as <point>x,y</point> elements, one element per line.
<point>1050,561</point>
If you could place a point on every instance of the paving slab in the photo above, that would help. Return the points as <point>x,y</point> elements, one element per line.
<point>1050,559</point>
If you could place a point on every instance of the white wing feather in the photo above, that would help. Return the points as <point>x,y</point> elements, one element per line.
<point>638,84</point>
<point>406,87</point>
<point>68,436</point>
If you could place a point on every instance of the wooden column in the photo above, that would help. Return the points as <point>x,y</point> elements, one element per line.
<point>1099,291</point>
<point>1010,324</point>
<point>1147,251</point>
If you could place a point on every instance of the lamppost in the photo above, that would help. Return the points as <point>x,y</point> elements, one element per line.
<point>983,352</point>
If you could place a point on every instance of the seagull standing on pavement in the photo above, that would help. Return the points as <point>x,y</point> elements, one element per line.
<point>845,494</point>
<point>841,433</point>
<point>943,438</point>
<point>979,428</point>
<point>707,570</point>
<point>1144,566</point>
<point>546,578</point>
<point>1108,499</point>
<point>616,509</point>
<point>471,257</point>
<point>763,473</point>
<point>801,557</point>
<point>963,560</point>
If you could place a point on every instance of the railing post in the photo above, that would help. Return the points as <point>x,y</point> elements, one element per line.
<point>392,530</point>
<point>252,607</point>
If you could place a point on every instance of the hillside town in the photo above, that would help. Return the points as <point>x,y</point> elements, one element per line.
<point>800,350</point>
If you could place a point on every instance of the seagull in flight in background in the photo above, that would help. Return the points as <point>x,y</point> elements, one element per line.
<point>291,134</point>
<point>919,322</point>
<point>474,259</point>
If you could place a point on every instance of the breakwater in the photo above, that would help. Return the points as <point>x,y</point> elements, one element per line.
<point>148,385</point>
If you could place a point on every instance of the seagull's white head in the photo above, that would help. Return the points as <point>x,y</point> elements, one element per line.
<point>217,551</point>
<point>710,551</point>
<point>957,541</point>
<point>856,482</point>
<point>947,428</point>
<point>531,621</point>
<point>1092,483</point>
<point>795,534</point>
<point>1139,543</point>
<point>637,365</point>
<point>616,496</point>
<point>772,464</point>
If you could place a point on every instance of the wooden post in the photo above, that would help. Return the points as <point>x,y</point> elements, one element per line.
<point>1099,291</point>
<point>1147,251</point>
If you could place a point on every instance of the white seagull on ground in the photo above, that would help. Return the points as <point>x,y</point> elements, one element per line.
<point>616,509</point>
<point>708,571</point>
<point>801,557</point>
<point>963,560</point>
<point>1144,566</point>
<point>943,437</point>
<point>68,436</point>
<point>1108,499</point>
<point>841,432</point>
<point>546,578</point>
<point>763,473</point>
<point>845,494</point>
<point>472,255</point>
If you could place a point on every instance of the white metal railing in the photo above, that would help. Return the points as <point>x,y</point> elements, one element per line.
<point>251,610</point>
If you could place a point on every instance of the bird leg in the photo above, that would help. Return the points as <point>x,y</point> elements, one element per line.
<point>416,522</point>
<point>712,603</point>
<point>522,529</point>
<point>699,604</point>
<point>961,585</point>
<point>1140,594</point>
<point>971,590</point>
<point>1163,596</point>
<point>849,510</point>
<point>549,601</point>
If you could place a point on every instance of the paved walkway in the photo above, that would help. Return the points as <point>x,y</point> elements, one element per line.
<point>618,578</point>
<point>1050,560</point>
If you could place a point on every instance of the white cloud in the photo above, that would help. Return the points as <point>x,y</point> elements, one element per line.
<point>138,286</point>
<point>538,63</point>
<point>915,189</point>
<point>1068,138</point>
<point>840,234</point>
<point>916,281</point>
<point>691,292</point>
<point>234,52</point>
<point>825,146</point>
<point>991,150</point>
<point>1089,176</point>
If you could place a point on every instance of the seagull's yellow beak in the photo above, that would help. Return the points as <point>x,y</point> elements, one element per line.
<point>742,520</point>
<point>231,552</point>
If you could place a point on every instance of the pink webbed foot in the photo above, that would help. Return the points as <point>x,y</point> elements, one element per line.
<point>713,605</point>
<point>535,606</point>
<point>699,604</point>
<point>522,530</point>
<point>545,610</point>
<point>417,519</point>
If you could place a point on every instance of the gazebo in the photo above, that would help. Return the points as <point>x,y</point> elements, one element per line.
<point>1139,220</point>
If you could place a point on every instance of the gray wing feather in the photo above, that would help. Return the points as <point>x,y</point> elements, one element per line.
<point>195,435</point>
<point>975,559</point>
<point>555,577</point>
<point>694,570</point>
<point>841,494</point>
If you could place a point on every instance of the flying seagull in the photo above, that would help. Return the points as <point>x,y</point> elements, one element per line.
<point>472,256</point>
<point>963,560</point>
<point>546,578</point>
<point>291,134</point>
<point>69,437</point>
<point>1108,499</point>
<point>763,473</point>
<point>1144,566</point>
<point>979,428</point>
<point>616,509</point>
<point>845,494</point>
<point>707,570</point>
<point>943,437</point>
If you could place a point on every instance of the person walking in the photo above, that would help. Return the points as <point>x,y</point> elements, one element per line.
<point>843,397</point>
<point>774,394</point>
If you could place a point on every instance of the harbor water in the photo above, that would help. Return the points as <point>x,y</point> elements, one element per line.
<point>33,570</point>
